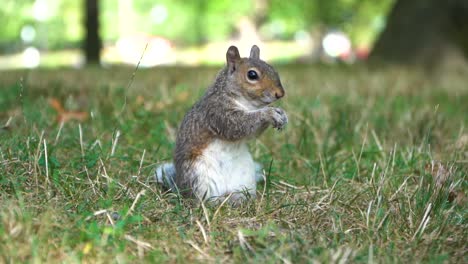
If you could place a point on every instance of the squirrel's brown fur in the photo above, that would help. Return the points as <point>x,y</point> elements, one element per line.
<point>211,157</point>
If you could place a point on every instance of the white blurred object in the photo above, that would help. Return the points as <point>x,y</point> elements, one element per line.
<point>31,57</point>
<point>159,14</point>
<point>28,33</point>
<point>42,10</point>
<point>132,48</point>
<point>336,44</point>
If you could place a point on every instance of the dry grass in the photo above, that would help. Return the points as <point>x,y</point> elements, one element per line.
<point>372,168</point>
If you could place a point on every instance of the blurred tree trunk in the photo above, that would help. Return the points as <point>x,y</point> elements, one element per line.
<point>93,44</point>
<point>428,32</point>
<point>260,14</point>
<point>248,27</point>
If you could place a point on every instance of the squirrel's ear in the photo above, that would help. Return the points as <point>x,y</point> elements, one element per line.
<point>255,52</point>
<point>232,56</point>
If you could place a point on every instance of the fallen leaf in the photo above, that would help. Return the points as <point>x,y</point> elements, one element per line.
<point>68,116</point>
<point>87,248</point>
<point>56,105</point>
<point>63,115</point>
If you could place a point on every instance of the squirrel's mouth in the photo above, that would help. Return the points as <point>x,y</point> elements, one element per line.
<point>268,100</point>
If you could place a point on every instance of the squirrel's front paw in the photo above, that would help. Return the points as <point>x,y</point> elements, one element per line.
<point>279,117</point>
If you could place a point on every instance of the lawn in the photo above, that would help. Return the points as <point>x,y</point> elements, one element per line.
<point>371,168</point>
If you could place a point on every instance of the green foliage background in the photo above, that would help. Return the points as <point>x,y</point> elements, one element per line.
<point>192,22</point>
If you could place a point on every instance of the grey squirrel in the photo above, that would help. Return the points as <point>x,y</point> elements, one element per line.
<point>211,158</point>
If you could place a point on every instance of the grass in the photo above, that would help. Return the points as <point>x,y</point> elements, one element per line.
<point>371,168</point>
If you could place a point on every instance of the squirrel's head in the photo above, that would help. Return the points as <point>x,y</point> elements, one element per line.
<point>254,79</point>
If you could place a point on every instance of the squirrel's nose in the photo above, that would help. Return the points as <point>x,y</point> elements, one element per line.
<point>279,94</point>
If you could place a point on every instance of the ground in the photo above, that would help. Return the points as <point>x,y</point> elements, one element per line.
<point>371,168</point>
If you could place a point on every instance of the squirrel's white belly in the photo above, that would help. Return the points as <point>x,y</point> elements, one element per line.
<point>225,167</point>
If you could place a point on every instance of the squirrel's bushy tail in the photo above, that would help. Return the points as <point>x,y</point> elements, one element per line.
<point>165,175</point>
<point>259,174</point>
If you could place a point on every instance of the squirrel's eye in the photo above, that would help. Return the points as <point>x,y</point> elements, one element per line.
<point>252,75</point>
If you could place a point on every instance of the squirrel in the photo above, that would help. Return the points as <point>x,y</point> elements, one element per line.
<point>211,157</point>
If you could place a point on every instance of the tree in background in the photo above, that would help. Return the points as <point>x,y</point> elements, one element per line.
<point>92,41</point>
<point>428,32</point>
<point>182,22</point>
